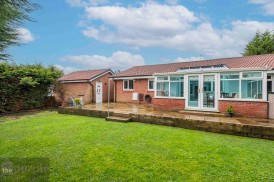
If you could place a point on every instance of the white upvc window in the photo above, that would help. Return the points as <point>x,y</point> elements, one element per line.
<point>243,85</point>
<point>128,84</point>
<point>247,75</point>
<point>177,86</point>
<point>230,85</point>
<point>269,83</point>
<point>150,85</point>
<point>170,86</point>
<point>162,86</point>
<point>252,85</point>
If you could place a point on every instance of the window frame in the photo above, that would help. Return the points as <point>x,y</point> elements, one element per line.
<point>251,78</point>
<point>230,79</point>
<point>149,80</point>
<point>156,80</point>
<point>162,81</point>
<point>177,81</point>
<point>128,89</point>
<point>269,80</point>
<point>264,86</point>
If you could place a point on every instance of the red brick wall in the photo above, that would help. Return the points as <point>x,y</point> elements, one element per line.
<point>104,80</point>
<point>169,104</point>
<point>244,108</point>
<point>74,90</point>
<point>140,86</point>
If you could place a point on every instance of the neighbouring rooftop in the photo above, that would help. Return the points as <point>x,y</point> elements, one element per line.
<point>84,75</point>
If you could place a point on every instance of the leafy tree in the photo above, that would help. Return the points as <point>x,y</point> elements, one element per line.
<point>12,15</point>
<point>262,43</point>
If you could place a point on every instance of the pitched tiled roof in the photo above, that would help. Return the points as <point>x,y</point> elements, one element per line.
<point>266,60</point>
<point>83,75</point>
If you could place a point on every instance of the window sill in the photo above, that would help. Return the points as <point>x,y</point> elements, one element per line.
<point>179,98</point>
<point>242,100</point>
<point>128,90</point>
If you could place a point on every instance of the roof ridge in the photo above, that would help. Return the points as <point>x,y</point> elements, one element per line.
<point>89,70</point>
<point>85,74</point>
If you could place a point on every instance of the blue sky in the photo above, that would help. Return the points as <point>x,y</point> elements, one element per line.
<point>93,34</point>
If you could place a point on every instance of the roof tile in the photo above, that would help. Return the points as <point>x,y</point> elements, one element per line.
<point>82,75</point>
<point>266,60</point>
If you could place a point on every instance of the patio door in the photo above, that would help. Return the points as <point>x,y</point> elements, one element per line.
<point>202,92</point>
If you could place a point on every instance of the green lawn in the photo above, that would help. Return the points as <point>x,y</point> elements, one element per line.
<point>91,149</point>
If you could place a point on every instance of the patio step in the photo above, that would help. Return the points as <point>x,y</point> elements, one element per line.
<point>203,113</point>
<point>118,119</point>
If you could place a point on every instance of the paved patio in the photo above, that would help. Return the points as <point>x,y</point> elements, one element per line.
<point>127,108</point>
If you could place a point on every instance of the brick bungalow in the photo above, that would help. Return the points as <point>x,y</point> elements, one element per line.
<point>91,85</point>
<point>208,85</point>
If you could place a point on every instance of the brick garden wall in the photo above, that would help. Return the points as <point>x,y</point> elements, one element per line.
<point>210,126</point>
<point>244,108</point>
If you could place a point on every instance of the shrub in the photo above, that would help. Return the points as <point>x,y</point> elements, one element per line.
<point>25,87</point>
<point>77,101</point>
<point>230,109</point>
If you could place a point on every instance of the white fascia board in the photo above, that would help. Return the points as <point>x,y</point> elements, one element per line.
<point>75,81</point>
<point>102,74</point>
<point>133,78</point>
<point>270,71</point>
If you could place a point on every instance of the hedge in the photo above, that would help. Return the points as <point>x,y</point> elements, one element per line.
<point>24,87</point>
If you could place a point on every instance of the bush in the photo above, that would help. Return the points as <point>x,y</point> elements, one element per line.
<point>25,87</point>
<point>230,109</point>
<point>77,101</point>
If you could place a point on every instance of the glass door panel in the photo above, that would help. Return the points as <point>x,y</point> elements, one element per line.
<point>193,91</point>
<point>208,91</point>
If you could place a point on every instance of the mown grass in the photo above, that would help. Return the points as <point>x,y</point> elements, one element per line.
<point>91,149</point>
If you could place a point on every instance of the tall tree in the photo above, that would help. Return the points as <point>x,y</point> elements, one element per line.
<point>12,15</point>
<point>262,43</point>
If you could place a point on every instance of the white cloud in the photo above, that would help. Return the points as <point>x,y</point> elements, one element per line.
<point>83,3</point>
<point>175,27</point>
<point>180,59</point>
<point>66,69</point>
<point>118,61</point>
<point>267,5</point>
<point>25,36</point>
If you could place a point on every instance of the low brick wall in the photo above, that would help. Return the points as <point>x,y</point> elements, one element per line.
<point>83,112</point>
<point>256,131</point>
<point>244,108</point>
<point>215,127</point>
<point>169,104</point>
